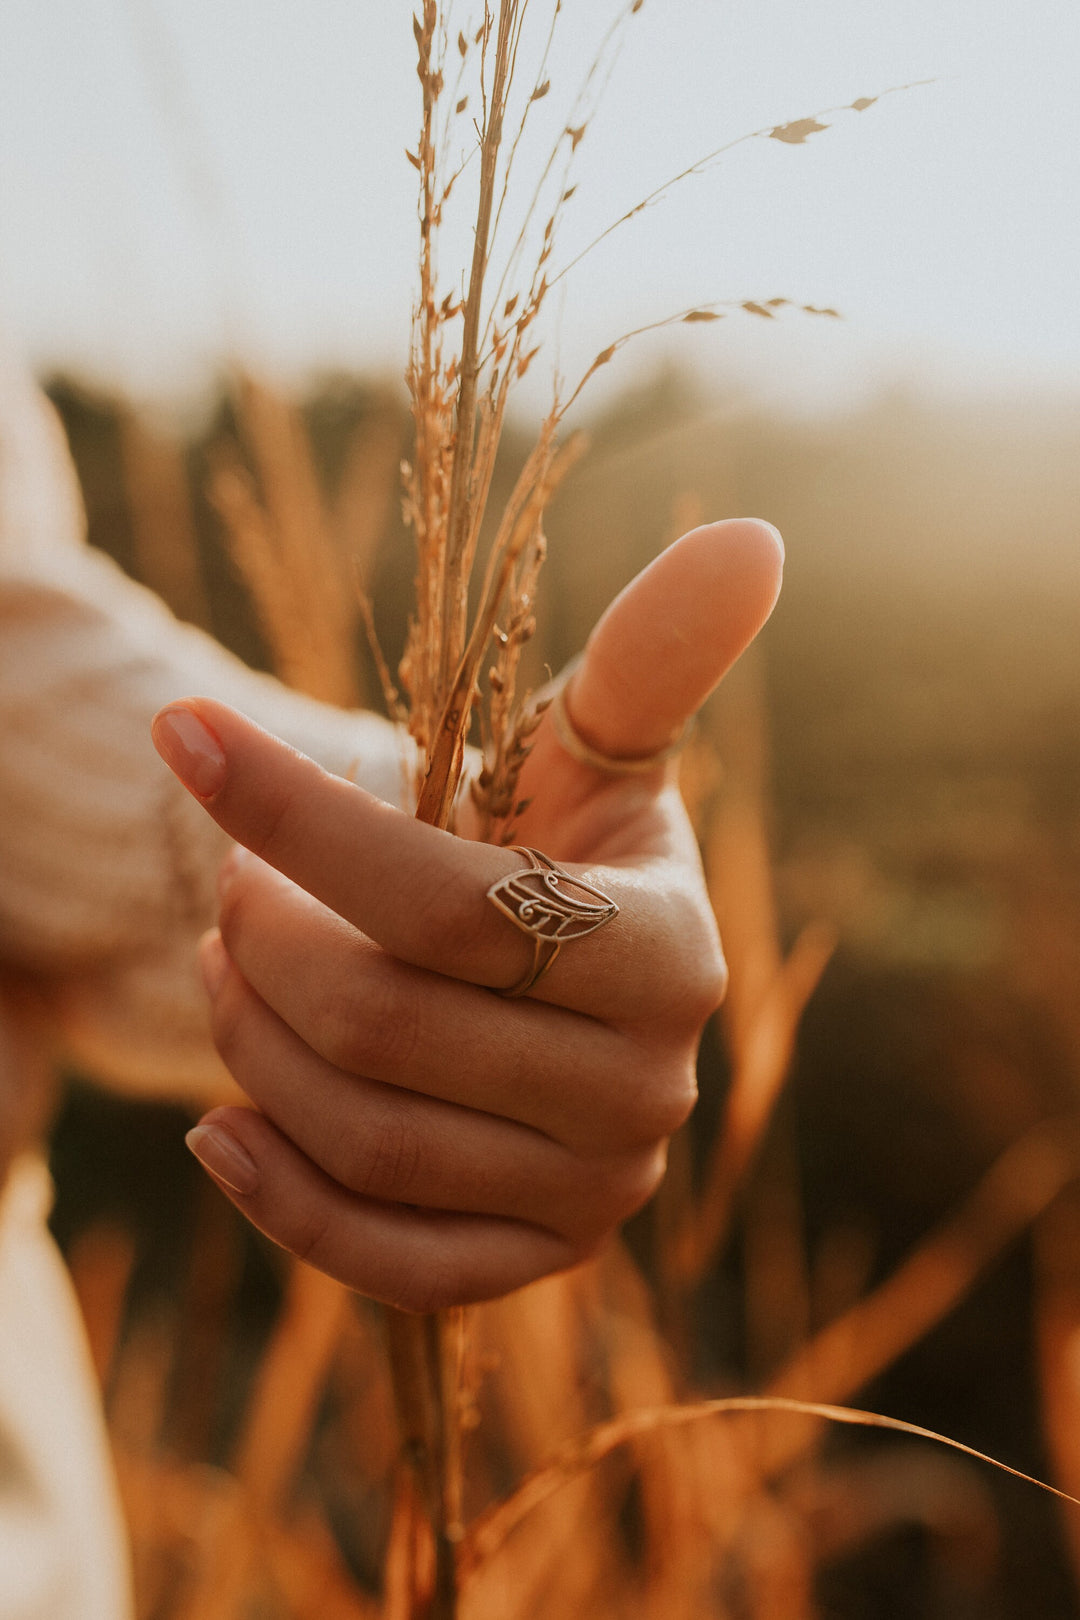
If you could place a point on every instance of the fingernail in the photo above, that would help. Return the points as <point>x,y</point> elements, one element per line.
<point>190,748</point>
<point>226,1158</point>
<point>213,962</point>
<point>232,863</point>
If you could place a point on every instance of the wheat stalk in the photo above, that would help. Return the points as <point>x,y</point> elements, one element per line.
<point>467,351</point>
<point>466,354</point>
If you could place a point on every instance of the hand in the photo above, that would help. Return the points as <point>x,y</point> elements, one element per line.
<point>421,1139</point>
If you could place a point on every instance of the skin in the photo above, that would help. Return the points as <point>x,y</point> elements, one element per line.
<point>410,1133</point>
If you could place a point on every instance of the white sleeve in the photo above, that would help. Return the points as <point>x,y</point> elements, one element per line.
<point>107,866</point>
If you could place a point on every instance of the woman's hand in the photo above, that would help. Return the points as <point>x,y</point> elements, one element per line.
<point>425,1141</point>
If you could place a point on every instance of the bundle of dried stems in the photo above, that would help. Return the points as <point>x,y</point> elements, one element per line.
<point>468,350</point>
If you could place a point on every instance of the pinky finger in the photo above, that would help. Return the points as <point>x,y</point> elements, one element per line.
<point>416,1260</point>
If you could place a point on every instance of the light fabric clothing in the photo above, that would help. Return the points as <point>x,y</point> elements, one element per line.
<point>107,872</point>
<point>61,1552</point>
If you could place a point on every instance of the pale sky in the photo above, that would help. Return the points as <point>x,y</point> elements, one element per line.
<point>178,177</point>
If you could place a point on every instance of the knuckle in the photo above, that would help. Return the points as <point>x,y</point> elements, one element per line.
<point>662,1100</point>
<point>227,1022</point>
<point>714,981</point>
<point>307,1238</point>
<point>586,1245</point>
<point>426,1286</point>
<point>370,1027</point>
<point>446,909</point>
<point>704,984</point>
<point>631,1183</point>
<point>391,1158</point>
<point>645,1178</point>
<point>341,1025</point>
<point>270,835</point>
<point>721,975</point>
<point>679,1096</point>
<point>697,985</point>
<point>230,919</point>
<point>616,1189</point>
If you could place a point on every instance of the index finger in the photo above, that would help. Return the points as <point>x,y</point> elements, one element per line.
<point>417,891</point>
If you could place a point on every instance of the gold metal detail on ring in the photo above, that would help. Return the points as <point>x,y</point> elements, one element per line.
<point>541,903</point>
<point>576,746</point>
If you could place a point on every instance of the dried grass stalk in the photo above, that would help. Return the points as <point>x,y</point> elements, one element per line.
<point>101,1261</point>
<point>464,359</point>
<point>162,520</point>
<point>768,994</point>
<point>850,1352</point>
<point>490,1531</point>
<point>286,543</point>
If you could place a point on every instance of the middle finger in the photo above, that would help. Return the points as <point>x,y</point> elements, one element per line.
<point>584,1083</point>
<point>396,1147</point>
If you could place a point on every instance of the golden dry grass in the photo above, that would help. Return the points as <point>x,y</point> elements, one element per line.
<point>560,1456</point>
<point>748,1505</point>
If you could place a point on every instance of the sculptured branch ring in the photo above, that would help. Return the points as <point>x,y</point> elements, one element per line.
<point>541,902</point>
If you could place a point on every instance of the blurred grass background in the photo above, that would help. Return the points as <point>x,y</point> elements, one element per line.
<point>888,793</point>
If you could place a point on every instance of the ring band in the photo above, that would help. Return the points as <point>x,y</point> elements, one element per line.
<point>538,902</point>
<point>576,746</point>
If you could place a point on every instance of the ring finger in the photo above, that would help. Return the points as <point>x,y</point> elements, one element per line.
<point>398,1147</point>
<point>588,1085</point>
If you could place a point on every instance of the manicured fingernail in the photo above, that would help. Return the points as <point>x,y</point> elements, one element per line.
<point>226,1158</point>
<point>213,962</point>
<point>232,863</point>
<point>190,748</point>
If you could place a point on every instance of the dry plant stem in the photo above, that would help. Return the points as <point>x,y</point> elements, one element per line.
<point>490,1530</point>
<point>534,1342</point>
<point>456,1401</point>
<point>425,364</point>
<point>458,405</point>
<point>417,1363</point>
<point>100,1262</point>
<point>794,133</point>
<point>851,1351</point>
<point>521,525</point>
<point>419,1367</point>
<point>311,1574</point>
<point>846,1355</point>
<point>209,1291</point>
<point>461,475</point>
<point>762,1068</point>
<point>166,545</point>
<point>768,993</point>
<point>276,1429</point>
<point>285,544</point>
<point>442,671</point>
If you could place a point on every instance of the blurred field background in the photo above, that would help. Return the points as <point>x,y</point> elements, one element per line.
<point>876,1202</point>
<point>873,1204</point>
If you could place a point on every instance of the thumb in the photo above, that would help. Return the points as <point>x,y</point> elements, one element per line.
<point>669,638</point>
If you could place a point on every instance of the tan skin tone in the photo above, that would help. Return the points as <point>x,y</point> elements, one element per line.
<point>421,1139</point>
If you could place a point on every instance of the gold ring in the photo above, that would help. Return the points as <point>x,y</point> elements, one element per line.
<point>576,746</point>
<point>538,902</point>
